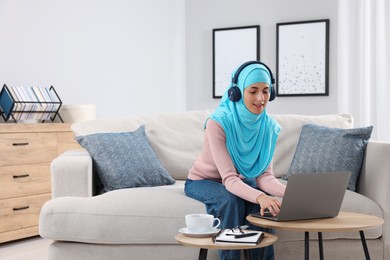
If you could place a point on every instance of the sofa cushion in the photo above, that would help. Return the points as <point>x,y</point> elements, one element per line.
<point>143,215</point>
<point>289,135</point>
<point>323,149</point>
<point>176,138</point>
<point>153,216</point>
<point>125,160</point>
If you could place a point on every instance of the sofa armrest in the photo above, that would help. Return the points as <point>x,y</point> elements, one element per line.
<point>72,175</point>
<point>375,176</point>
<point>374,183</point>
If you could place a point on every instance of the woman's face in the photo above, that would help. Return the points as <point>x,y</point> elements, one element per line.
<point>256,97</point>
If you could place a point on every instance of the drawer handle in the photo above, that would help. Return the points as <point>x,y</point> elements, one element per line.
<point>20,144</point>
<point>21,176</point>
<point>21,208</point>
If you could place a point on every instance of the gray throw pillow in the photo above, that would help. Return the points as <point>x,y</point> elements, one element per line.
<point>323,149</point>
<point>125,160</point>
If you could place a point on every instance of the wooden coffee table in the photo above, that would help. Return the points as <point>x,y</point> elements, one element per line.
<point>207,243</point>
<point>345,221</point>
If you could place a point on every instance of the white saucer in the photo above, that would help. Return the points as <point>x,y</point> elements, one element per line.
<point>188,233</point>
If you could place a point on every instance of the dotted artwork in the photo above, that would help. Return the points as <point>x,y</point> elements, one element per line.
<point>302,59</point>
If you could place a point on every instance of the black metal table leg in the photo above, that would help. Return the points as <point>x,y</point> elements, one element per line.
<point>320,246</point>
<point>203,254</point>
<point>306,245</point>
<point>364,243</point>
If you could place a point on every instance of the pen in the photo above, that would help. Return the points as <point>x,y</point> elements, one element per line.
<point>245,235</point>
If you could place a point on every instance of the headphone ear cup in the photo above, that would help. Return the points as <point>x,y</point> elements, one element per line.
<point>273,93</point>
<point>234,94</point>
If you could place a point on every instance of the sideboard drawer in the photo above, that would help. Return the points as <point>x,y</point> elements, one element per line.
<point>22,180</point>
<point>27,148</point>
<point>17,213</point>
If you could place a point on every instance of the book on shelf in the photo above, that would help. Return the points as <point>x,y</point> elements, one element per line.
<point>6,101</point>
<point>244,237</point>
<point>17,105</point>
<point>40,100</point>
<point>23,98</point>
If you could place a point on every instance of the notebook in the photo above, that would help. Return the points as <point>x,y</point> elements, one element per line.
<point>311,196</point>
<point>231,236</point>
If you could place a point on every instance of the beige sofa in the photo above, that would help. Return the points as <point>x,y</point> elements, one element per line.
<point>140,223</point>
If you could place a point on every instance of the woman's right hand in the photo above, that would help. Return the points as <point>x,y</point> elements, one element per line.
<point>270,203</point>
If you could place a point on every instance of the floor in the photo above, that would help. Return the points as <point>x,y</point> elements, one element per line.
<point>35,248</point>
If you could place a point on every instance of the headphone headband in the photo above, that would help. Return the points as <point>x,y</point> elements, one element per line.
<point>234,92</point>
<point>244,65</point>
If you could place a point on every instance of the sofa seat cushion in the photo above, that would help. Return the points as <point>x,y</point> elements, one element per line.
<point>145,215</point>
<point>353,202</point>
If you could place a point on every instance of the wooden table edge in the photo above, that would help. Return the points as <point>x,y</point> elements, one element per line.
<point>328,224</point>
<point>208,243</point>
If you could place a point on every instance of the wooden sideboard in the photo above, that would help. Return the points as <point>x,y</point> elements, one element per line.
<point>26,151</point>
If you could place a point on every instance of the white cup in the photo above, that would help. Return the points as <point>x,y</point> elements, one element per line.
<point>201,223</point>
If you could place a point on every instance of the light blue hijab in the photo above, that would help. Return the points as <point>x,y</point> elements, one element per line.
<point>250,138</point>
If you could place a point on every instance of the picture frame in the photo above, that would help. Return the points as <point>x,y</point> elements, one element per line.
<point>232,47</point>
<point>302,58</point>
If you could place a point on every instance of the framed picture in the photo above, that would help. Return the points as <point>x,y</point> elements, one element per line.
<point>302,58</point>
<point>231,48</point>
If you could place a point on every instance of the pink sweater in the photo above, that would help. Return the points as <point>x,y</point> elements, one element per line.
<point>214,163</point>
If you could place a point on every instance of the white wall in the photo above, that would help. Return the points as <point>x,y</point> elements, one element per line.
<point>134,57</point>
<point>127,57</point>
<point>203,15</point>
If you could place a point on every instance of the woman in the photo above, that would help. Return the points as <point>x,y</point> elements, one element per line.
<point>233,175</point>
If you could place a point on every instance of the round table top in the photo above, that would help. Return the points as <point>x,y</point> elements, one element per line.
<point>208,243</point>
<point>345,221</point>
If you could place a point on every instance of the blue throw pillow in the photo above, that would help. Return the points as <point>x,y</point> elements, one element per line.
<point>125,160</point>
<point>323,149</point>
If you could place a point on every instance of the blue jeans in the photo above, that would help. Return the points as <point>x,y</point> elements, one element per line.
<point>229,208</point>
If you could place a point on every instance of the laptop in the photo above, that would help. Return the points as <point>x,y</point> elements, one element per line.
<point>311,196</point>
